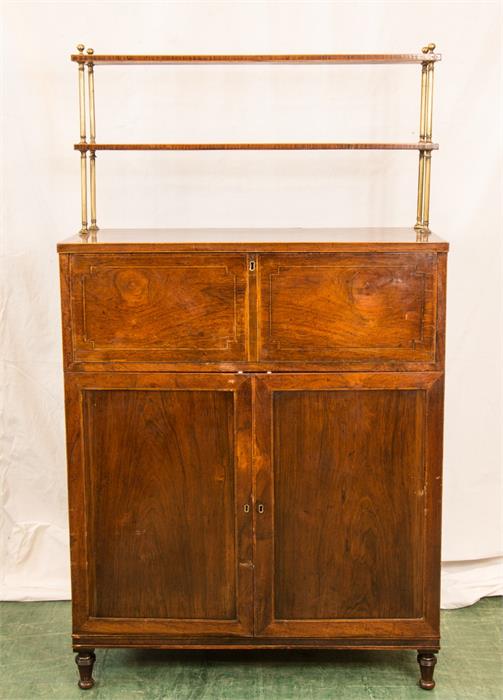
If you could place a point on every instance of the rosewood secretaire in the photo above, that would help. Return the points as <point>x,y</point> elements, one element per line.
<point>254,428</point>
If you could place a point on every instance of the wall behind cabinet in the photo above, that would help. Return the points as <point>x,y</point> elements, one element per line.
<point>41,206</point>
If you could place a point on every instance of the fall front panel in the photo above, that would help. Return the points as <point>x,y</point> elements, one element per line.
<point>158,308</point>
<point>341,307</point>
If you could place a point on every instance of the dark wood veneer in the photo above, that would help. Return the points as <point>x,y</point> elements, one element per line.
<point>349,498</point>
<point>365,441</point>
<point>161,469</point>
<point>153,307</point>
<point>347,307</point>
<point>375,308</point>
<point>254,435</point>
<point>161,464</point>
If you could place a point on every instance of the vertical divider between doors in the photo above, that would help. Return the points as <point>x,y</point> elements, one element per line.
<point>263,539</point>
<point>243,392</point>
<point>253,357</point>
<point>253,492</point>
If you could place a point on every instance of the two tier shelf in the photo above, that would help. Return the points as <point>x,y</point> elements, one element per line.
<point>88,148</point>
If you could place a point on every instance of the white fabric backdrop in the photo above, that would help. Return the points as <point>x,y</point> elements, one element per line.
<point>41,206</point>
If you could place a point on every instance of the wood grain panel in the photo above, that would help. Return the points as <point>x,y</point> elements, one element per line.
<point>348,499</point>
<point>159,307</point>
<point>343,469</point>
<point>336,307</point>
<point>165,470</point>
<point>162,485</point>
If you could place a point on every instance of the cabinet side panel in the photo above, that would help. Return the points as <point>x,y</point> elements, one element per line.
<point>66,314</point>
<point>161,483</point>
<point>348,504</point>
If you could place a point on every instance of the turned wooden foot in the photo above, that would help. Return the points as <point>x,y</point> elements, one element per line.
<point>426,661</point>
<point>85,661</point>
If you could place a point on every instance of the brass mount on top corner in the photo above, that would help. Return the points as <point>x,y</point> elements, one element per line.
<point>425,146</point>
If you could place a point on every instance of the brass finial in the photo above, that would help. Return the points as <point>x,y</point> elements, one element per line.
<point>80,48</point>
<point>90,51</point>
<point>429,49</point>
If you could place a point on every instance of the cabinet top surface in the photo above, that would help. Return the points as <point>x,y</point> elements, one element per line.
<point>251,240</point>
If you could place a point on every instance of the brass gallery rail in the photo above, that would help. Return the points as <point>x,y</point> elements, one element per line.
<point>425,145</point>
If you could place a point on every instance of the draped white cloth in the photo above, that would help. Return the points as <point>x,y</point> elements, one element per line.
<point>41,199</point>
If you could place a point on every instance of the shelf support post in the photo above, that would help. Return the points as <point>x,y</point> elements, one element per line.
<point>83,153</point>
<point>92,140</point>
<point>425,136</point>
<point>428,135</point>
<point>422,120</point>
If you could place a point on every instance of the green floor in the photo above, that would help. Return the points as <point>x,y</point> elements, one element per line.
<point>38,663</point>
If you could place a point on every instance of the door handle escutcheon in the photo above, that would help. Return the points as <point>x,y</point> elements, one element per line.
<point>260,508</point>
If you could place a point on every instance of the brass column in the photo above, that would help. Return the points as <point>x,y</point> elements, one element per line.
<point>425,136</point>
<point>83,154</point>
<point>428,135</point>
<point>422,122</point>
<point>92,140</point>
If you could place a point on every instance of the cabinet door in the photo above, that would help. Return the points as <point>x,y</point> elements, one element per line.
<point>348,492</point>
<point>159,472</point>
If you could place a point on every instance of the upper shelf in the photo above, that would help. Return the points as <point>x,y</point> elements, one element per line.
<point>341,59</point>
<point>417,146</point>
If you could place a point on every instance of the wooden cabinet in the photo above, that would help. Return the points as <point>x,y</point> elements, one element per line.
<point>254,440</point>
